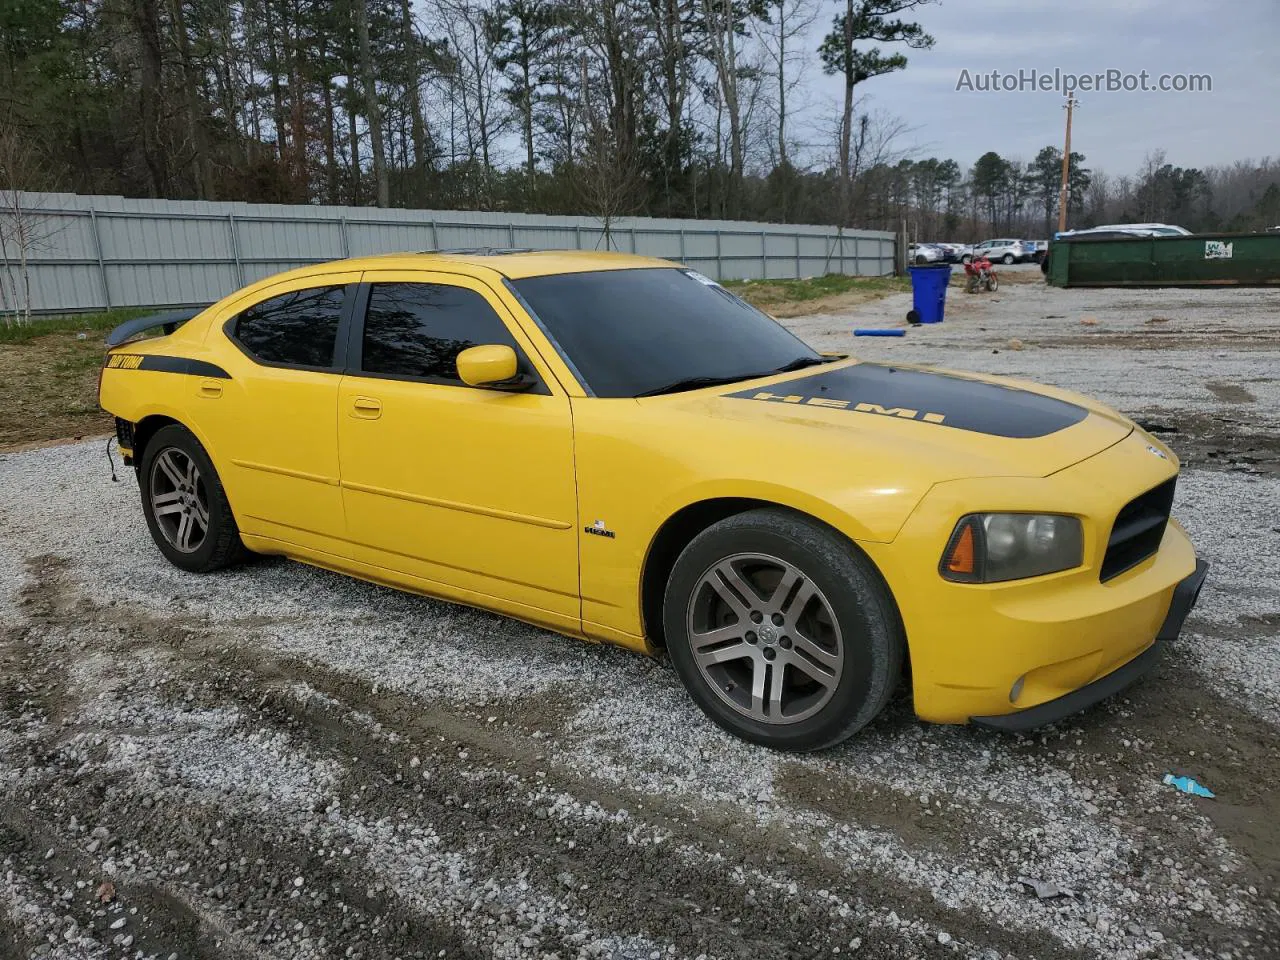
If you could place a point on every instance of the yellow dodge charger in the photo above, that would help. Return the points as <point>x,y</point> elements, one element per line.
<point>617,448</point>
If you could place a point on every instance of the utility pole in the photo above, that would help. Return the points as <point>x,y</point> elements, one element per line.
<point>1071,103</point>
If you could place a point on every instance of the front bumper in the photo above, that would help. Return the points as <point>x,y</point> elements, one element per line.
<point>991,650</point>
<point>1185,596</point>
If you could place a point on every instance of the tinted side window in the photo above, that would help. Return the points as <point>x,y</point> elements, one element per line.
<point>418,329</point>
<point>297,329</point>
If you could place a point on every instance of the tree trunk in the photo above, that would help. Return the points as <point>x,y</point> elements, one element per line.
<point>201,172</point>
<point>147,21</point>
<point>330,137</point>
<point>527,101</point>
<point>782,95</point>
<point>251,94</point>
<point>846,119</point>
<point>353,133</point>
<point>372,112</point>
<point>413,92</point>
<point>297,105</point>
<point>277,92</point>
<point>735,116</point>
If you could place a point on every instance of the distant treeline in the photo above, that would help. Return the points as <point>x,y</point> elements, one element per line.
<point>688,108</point>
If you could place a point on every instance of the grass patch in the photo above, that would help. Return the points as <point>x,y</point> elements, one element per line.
<point>49,376</point>
<point>814,288</point>
<point>825,294</point>
<point>90,324</point>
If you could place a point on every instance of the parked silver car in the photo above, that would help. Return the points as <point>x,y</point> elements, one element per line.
<point>1002,251</point>
<point>924,253</point>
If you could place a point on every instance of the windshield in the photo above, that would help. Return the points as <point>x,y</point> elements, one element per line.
<point>634,332</point>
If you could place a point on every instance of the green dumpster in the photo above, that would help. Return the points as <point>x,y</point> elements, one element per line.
<point>1202,259</point>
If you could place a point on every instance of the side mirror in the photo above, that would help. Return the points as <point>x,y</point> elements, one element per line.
<point>492,365</point>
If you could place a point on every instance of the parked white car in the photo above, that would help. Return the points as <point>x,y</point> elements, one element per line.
<point>1002,251</point>
<point>923,253</point>
<point>1134,229</point>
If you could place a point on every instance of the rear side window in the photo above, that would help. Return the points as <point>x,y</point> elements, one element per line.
<point>417,330</point>
<point>297,329</point>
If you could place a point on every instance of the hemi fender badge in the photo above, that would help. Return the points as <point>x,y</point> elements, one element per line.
<point>598,529</point>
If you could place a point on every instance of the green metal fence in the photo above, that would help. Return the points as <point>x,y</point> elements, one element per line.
<point>1199,260</point>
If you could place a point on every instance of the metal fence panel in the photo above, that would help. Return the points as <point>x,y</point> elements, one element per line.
<point>98,252</point>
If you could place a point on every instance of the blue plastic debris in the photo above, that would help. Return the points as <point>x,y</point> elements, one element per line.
<point>877,332</point>
<point>1187,785</point>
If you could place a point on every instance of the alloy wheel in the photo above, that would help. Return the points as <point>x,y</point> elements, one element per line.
<point>765,638</point>
<point>179,500</point>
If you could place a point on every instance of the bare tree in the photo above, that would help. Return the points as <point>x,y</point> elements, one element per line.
<point>874,143</point>
<point>473,81</point>
<point>866,21</point>
<point>723,25</point>
<point>608,180</point>
<point>372,110</point>
<point>790,20</point>
<point>25,224</point>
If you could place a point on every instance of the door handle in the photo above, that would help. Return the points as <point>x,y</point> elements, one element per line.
<point>367,408</point>
<point>211,389</point>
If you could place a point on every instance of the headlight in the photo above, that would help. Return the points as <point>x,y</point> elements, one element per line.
<point>990,547</point>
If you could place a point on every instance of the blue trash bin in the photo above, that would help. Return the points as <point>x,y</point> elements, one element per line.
<point>929,292</point>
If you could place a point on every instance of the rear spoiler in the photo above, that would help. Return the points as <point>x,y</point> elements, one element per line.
<point>170,320</point>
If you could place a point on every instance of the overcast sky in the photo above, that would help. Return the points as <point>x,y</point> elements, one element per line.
<point>1237,42</point>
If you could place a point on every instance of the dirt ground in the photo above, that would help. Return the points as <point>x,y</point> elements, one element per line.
<point>278,762</point>
<point>49,388</point>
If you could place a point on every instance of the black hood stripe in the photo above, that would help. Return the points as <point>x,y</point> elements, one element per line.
<point>936,398</point>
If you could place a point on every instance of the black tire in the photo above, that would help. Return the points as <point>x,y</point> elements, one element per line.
<point>921,260</point>
<point>220,545</point>
<point>1007,259</point>
<point>871,638</point>
<point>967,258</point>
<point>993,283</point>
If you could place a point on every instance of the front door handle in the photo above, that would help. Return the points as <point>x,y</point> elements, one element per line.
<point>366,408</point>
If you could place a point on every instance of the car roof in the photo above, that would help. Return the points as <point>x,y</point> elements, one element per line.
<point>513,264</point>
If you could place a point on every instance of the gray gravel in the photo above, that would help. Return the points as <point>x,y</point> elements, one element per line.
<point>279,762</point>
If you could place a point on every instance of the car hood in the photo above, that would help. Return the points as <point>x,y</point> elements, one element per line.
<point>955,424</point>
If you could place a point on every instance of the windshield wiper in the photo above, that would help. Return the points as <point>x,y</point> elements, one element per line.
<point>799,363</point>
<point>694,383</point>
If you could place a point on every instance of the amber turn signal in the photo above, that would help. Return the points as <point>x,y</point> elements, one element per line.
<point>959,558</point>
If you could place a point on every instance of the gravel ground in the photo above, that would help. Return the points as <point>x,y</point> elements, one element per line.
<point>277,762</point>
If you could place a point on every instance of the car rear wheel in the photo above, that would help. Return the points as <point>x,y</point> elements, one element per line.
<point>967,258</point>
<point>781,631</point>
<point>186,508</point>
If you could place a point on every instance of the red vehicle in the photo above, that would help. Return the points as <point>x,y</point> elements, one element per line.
<point>981,276</point>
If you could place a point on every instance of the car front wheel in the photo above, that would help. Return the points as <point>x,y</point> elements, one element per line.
<point>186,508</point>
<point>782,631</point>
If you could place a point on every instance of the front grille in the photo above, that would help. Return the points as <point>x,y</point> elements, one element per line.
<point>1138,530</point>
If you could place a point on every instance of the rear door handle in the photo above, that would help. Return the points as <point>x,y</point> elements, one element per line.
<point>366,408</point>
<point>210,388</point>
